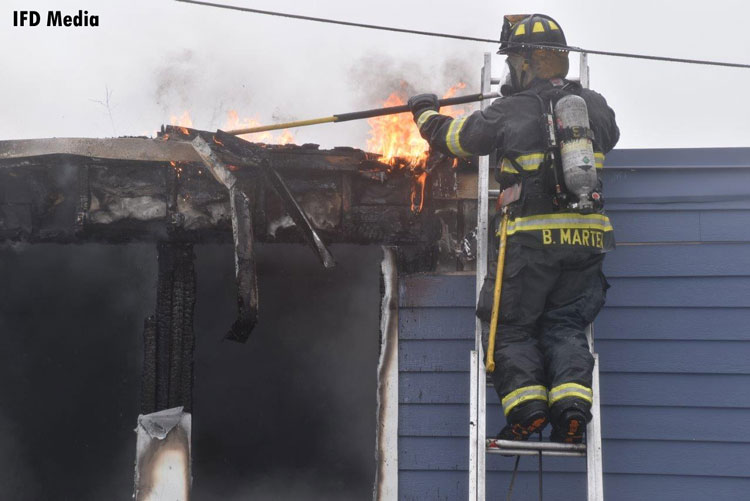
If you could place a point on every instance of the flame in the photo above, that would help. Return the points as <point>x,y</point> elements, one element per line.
<point>395,136</point>
<point>421,180</point>
<point>397,140</point>
<point>234,121</point>
<point>453,90</point>
<point>182,122</point>
<point>286,137</point>
<point>177,168</point>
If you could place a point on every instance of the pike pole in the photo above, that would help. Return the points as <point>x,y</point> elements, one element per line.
<point>358,115</point>
<point>490,359</point>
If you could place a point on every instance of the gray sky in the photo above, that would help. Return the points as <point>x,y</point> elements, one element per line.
<point>159,58</point>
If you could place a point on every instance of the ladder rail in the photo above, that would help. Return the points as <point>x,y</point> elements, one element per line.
<point>594,458</point>
<point>474,434</point>
<point>478,396</point>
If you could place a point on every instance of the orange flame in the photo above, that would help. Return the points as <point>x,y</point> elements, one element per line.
<point>421,180</point>
<point>182,121</point>
<point>177,168</point>
<point>396,137</point>
<point>452,91</point>
<point>397,140</point>
<point>234,121</point>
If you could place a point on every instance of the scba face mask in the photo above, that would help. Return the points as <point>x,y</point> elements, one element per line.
<point>518,75</point>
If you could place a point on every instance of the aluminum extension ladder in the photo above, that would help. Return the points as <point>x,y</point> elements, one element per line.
<point>480,445</point>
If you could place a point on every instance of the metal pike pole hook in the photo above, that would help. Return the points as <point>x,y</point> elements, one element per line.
<point>358,115</point>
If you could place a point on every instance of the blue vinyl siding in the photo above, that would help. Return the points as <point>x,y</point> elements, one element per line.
<point>673,341</point>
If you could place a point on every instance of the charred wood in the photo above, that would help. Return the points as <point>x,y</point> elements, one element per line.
<point>130,189</point>
<point>168,335</point>
<point>242,235</point>
<point>251,154</point>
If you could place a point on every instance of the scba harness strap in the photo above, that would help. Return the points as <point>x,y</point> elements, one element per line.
<point>573,133</point>
<point>539,183</point>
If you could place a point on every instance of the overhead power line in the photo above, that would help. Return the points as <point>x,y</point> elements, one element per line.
<point>462,37</point>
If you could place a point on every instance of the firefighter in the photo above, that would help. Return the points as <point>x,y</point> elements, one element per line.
<point>553,285</point>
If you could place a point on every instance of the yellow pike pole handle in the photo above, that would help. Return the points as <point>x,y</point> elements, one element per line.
<point>285,125</point>
<point>358,115</point>
<point>490,362</point>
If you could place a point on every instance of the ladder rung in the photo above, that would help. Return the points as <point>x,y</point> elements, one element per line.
<point>527,452</point>
<point>505,446</point>
<point>535,446</point>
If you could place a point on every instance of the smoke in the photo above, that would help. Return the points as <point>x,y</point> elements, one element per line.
<point>177,79</point>
<point>295,486</point>
<point>289,415</point>
<point>69,323</point>
<point>297,414</point>
<point>205,87</point>
<point>375,76</point>
<point>16,474</point>
<point>182,89</point>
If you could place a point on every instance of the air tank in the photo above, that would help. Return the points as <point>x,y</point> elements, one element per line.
<point>576,149</point>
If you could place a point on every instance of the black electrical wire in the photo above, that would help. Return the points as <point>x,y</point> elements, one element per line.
<point>463,37</point>
<point>343,23</point>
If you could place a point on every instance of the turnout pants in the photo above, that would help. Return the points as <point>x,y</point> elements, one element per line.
<point>549,296</point>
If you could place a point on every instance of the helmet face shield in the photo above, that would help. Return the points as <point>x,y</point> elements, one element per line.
<point>506,80</point>
<point>518,72</point>
<point>522,70</point>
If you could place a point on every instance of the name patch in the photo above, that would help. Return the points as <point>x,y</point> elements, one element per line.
<point>573,236</point>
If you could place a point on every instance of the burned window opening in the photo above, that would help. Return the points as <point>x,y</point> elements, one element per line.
<point>162,191</point>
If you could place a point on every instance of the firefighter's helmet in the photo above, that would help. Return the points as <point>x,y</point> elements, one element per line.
<point>537,29</point>
<point>529,62</point>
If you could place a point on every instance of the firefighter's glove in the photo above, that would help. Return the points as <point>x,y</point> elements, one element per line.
<point>423,102</point>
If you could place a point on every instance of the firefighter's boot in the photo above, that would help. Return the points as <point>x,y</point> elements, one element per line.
<point>525,420</point>
<point>569,427</point>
